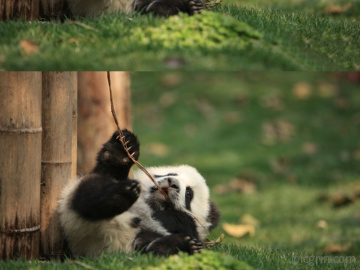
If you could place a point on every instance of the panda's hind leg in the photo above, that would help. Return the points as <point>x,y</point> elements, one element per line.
<point>173,7</point>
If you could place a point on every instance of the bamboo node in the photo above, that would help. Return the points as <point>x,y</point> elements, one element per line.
<point>21,130</point>
<point>56,162</point>
<point>25,230</point>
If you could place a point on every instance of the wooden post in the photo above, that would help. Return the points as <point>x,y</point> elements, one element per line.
<point>20,164</point>
<point>74,126</point>
<point>95,120</point>
<point>56,155</point>
<point>52,9</point>
<point>15,9</point>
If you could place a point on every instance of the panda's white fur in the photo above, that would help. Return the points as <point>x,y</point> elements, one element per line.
<point>88,238</point>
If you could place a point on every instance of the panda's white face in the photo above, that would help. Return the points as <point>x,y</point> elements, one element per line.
<point>185,187</point>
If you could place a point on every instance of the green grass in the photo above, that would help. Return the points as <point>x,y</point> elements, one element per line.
<point>297,36</point>
<point>215,122</point>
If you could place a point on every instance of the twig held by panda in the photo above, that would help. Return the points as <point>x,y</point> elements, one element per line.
<point>124,144</point>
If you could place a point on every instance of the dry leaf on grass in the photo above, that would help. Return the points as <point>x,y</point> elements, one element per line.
<point>280,166</point>
<point>278,131</point>
<point>309,148</point>
<point>335,9</point>
<point>171,79</point>
<point>340,199</point>
<point>28,47</point>
<point>249,220</point>
<point>238,230</point>
<point>322,224</point>
<point>302,90</point>
<point>337,248</point>
<point>236,185</point>
<point>272,101</point>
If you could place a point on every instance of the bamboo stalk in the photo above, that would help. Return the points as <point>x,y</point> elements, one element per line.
<point>56,155</point>
<point>15,9</point>
<point>20,164</point>
<point>95,122</point>
<point>52,9</point>
<point>74,126</point>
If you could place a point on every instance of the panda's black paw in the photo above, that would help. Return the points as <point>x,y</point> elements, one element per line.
<point>131,144</point>
<point>192,245</point>
<point>196,6</point>
<point>129,190</point>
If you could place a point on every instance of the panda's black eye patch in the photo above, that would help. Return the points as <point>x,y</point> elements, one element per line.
<point>189,195</point>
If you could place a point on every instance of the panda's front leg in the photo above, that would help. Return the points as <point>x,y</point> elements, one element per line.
<point>107,191</point>
<point>101,197</point>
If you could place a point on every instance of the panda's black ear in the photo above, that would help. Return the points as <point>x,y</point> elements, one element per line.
<point>213,216</point>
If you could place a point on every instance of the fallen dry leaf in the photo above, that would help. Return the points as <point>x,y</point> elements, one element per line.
<point>322,224</point>
<point>236,185</point>
<point>280,165</point>
<point>280,130</point>
<point>28,47</point>
<point>232,117</point>
<point>337,248</point>
<point>302,90</point>
<point>309,148</point>
<point>249,220</point>
<point>272,101</point>
<point>342,200</point>
<point>171,79</point>
<point>335,9</point>
<point>238,230</point>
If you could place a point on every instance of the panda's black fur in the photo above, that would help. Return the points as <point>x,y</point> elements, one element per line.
<point>107,211</point>
<point>93,8</point>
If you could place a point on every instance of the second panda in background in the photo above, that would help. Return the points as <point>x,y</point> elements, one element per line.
<point>107,211</point>
<point>94,8</point>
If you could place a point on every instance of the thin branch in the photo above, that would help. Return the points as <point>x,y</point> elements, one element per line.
<point>121,137</point>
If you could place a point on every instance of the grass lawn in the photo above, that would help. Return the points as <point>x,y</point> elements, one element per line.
<point>296,35</point>
<point>294,137</point>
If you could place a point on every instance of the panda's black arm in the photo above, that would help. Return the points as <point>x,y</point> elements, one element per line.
<point>102,197</point>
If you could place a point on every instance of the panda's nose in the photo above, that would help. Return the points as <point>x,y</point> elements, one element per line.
<point>172,183</point>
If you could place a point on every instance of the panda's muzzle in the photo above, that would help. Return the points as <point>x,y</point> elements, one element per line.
<point>167,184</point>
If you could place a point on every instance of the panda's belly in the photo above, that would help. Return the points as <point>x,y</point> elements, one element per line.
<point>89,238</point>
<point>93,8</point>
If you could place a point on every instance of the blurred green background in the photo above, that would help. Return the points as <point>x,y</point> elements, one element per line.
<point>282,148</point>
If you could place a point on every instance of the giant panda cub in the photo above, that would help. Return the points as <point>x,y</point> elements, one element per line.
<point>93,8</point>
<point>105,211</point>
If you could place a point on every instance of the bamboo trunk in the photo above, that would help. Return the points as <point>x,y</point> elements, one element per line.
<point>52,9</point>
<point>74,126</point>
<point>95,120</point>
<point>15,9</point>
<point>56,155</point>
<point>20,164</point>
